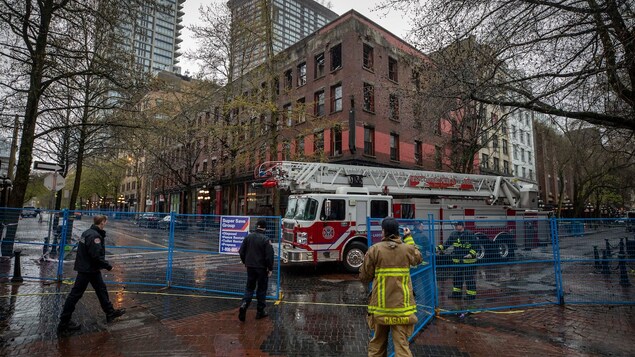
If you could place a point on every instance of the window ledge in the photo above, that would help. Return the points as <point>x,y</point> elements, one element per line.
<point>368,111</point>
<point>336,111</point>
<point>369,156</point>
<point>396,120</point>
<point>336,69</point>
<point>394,81</point>
<point>371,70</point>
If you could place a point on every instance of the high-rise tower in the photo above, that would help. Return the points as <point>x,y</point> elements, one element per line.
<point>155,37</point>
<point>291,21</point>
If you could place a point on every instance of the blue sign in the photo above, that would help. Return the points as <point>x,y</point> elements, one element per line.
<point>233,229</point>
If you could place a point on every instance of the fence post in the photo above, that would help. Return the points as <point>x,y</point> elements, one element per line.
<point>168,272</point>
<point>62,242</point>
<point>555,240</point>
<point>434,284</point>
<point>280,228</point>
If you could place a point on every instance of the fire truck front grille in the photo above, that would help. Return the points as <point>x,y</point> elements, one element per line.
<point>288,236</point>
<point>288,225</point>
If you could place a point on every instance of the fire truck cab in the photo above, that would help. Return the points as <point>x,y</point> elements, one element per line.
<point>331,227</point>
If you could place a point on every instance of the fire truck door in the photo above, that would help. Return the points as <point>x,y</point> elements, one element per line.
<point>361,212</point>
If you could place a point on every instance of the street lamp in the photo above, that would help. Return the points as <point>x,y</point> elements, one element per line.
<point>121,200</point>
<point>204,197</point>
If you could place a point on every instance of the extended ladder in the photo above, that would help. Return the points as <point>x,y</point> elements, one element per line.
<point>302,177</point>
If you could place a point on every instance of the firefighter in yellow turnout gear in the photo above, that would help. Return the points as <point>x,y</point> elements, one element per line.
<point>464,253</point>
<point>392,305</point>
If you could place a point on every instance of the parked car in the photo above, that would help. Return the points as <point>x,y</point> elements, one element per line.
<point>149,220</point>
<point>28,211</point>
<point>165,223</point>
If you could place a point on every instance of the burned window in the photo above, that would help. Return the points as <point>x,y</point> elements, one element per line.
<point>394,107</point>
<point>369,141</point>
<point>301,74</point>
<point>288,79</point>
<point>369,97</point>
<point>319,65</point>
<point>336,57</point>
<point>336,98</point>
<point>394,147</point>
<point>418,153</point>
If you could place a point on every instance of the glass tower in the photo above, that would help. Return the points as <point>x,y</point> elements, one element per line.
<point>155,36</point>
<point>291,21</point>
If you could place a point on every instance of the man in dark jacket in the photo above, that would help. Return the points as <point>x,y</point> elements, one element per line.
<point>256,252</point>
<point>90,259</point>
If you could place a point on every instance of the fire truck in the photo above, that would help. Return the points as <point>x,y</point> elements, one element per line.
<point>328,207</point>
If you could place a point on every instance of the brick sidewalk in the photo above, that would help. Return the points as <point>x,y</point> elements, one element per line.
<point>180,323</point>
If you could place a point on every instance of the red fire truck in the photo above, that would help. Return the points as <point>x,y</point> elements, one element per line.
<point>326,216</point>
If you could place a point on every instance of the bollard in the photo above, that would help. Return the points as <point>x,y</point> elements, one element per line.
<point>596,256</point>
<point>622,265</point>
<point>17,272</point>
<point>608,248</point>
<point>605,264</point>
<point>630,248</point>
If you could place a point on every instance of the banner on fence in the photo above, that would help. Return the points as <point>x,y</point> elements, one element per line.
<point>233,229</point>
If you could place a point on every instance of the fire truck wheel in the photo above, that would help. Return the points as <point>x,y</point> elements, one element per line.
<point>482,247</point>
<point>506,247</point>
<point>354,256</point>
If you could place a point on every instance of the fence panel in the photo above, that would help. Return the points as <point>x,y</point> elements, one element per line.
<point>32,233</point>
<point>514,265</point>
<point>201,260</point>
<point>596,263</point>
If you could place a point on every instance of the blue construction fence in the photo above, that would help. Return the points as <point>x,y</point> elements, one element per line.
<point>188,251</point>
<point>530,261</point>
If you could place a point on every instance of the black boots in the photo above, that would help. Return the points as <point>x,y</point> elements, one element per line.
<point>65,327</point>
<point>114,314</point>
<point>242,311</point>
<point>261,314</point>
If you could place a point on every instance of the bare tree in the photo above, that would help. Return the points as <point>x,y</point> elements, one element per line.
<point>569,58</point>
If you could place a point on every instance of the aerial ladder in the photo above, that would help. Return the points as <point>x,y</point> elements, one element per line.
<point>315,177</point>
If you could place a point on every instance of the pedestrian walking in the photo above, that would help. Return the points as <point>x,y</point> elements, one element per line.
<point>90,259</point>
<point>463,257</point>
<point>392,307</point>
<point>256,252</point>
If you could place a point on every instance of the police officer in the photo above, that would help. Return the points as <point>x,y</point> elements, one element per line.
<point>256,252</point>
<point>392,306</point>
<point>463,256</point>
<point>90,259</point>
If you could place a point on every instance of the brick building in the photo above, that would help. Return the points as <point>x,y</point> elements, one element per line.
<point>344,94</point>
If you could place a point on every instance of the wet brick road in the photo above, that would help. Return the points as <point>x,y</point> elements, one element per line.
<point>319,315</point>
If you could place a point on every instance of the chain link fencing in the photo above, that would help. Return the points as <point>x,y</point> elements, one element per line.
<point>194,252</point>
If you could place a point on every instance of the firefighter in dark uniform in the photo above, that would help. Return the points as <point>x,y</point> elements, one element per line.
<point>90,259</point>
<point>256,252</point>
<point>463,255</point>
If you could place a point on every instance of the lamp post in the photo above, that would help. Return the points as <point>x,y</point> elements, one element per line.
<point>204,197</point>
<point>121,200</point>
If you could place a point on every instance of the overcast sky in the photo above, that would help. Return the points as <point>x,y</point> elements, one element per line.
<point>394,21</point>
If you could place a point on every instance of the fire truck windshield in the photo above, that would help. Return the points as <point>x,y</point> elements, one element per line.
<point>290,213</point>
<point>304,209</point>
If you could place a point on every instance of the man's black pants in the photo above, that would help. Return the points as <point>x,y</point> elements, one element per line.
<point>260,277</point>
<point>81,283</point>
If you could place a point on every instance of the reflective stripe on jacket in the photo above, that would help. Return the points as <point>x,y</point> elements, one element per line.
<point>462,243</point>
<point>387,265</point>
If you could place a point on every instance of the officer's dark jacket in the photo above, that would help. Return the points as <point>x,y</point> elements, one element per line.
<point>91,251</point>
<point>256,251</point>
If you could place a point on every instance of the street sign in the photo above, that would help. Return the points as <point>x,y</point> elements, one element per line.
<point>47,166</point>
<point>54,181</point>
